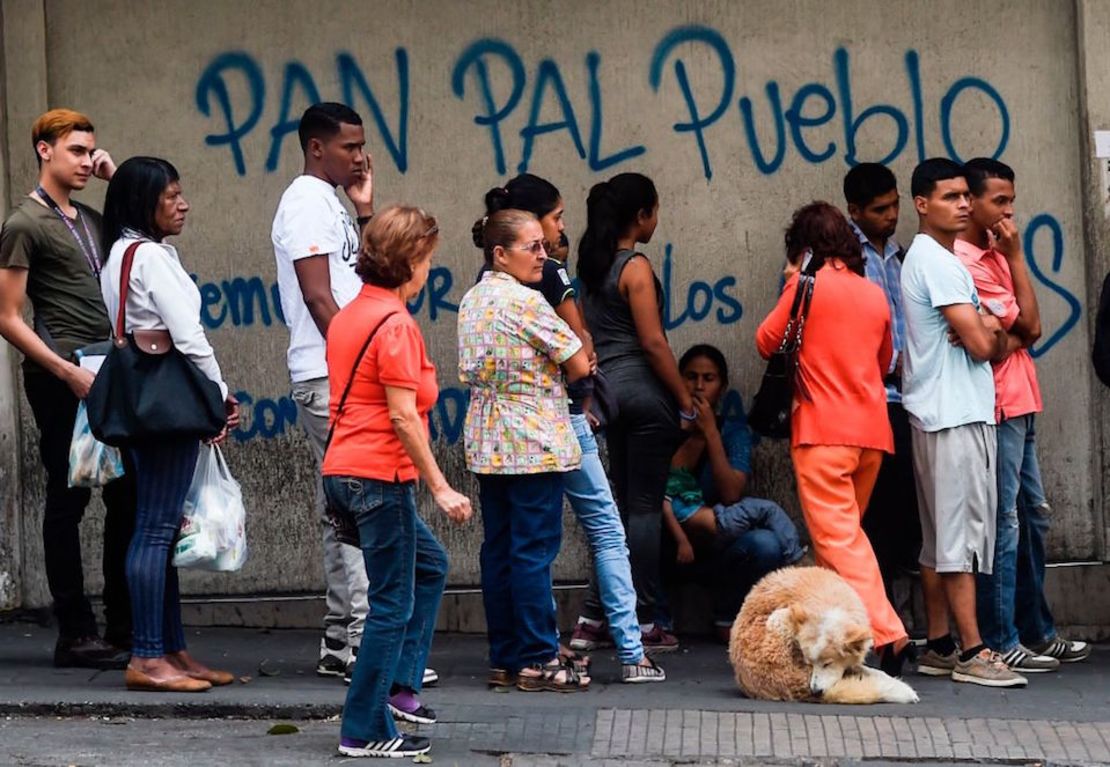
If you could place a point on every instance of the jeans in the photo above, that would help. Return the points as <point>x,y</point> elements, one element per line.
<point>641,442</point>
<point>729,572</point>
<point>408,571</point>
<point>522,518</point>
<point>892,522</point>
<point>164,472</point>
<point>55,408</point>
<point>1021,526</point>
<point>588,490</point>
<point>1017,610</point>
<point>344,572</point>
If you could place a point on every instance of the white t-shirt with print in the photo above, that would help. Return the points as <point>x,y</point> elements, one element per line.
<point>311,221</point>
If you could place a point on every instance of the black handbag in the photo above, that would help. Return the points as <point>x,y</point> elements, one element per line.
<point>770,412</point>
<point>341,519</point>
<point>603,402</point>
<point>147,389</point>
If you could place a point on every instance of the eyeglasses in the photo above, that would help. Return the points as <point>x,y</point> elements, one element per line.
<point>536,248</point>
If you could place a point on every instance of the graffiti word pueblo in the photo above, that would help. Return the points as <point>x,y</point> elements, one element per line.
<point>234,91</point>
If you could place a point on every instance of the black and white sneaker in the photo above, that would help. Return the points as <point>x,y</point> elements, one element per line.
<point>431,678</point>
<point>1024,660</point>
<point>420,715</point>
<point>404,745</point>
<point>333,657</point>
<point>1064,650</point>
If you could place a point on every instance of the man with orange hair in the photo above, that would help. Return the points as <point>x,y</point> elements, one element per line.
<point>50,252</point>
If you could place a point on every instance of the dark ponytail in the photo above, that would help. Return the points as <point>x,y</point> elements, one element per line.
<point>526,192</point>
<point>611,208</point>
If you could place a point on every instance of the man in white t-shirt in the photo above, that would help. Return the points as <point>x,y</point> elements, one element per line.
<point>316,246</point>
<point>948,390</point>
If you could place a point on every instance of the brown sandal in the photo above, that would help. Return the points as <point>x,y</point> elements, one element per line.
<point>547,680</point>
<point>499,677</point>
<point>576,660</point>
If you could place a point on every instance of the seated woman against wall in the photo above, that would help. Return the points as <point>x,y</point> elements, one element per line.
<point>520,443</point>
<point>839,424</point>
<point>721,536</point>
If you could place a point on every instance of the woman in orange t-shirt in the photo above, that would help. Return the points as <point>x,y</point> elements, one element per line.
<point>839,423</point>
<point>378,447</point>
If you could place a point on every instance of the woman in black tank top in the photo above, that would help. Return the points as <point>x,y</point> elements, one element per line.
<point>624,311</point>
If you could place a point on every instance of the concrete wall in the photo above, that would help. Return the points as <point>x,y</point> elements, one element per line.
<point>740,111</point>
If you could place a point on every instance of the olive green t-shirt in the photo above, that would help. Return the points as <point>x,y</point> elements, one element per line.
<point>64,292</point>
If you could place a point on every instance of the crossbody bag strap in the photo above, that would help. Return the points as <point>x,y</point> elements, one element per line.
<point>351,380</point>
<point>799,308</point>
<point>125,287</point>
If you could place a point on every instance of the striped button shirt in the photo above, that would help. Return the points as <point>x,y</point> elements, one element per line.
<point>885,270</point>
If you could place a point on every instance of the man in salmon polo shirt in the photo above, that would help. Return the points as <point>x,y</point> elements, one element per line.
<point>1013,612</point>
<point>948,390</point>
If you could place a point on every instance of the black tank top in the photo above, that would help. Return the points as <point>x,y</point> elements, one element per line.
<point>609,318</point>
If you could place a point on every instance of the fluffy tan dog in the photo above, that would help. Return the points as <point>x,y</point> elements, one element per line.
<point>802,634</point>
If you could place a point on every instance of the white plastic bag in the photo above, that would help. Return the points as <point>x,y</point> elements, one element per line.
<point>213,534</point>
<point>91,462</point>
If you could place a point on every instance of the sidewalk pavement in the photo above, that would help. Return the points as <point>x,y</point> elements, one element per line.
<point>696,717</point>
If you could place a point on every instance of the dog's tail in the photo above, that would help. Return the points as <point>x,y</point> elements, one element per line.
<point>869,686</point>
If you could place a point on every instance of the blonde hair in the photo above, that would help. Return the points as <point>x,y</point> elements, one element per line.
<point>396,239</point>
<point>56,124</point>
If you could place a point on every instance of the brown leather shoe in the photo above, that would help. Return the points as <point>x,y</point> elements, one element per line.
<point>138,681</point>
<point>214,678</point>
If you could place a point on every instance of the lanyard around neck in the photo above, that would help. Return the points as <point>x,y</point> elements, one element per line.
<point>88,249</point>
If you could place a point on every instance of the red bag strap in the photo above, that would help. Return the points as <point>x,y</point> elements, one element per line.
<point>124,285</point>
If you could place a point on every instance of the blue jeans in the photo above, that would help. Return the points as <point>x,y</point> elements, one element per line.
<point>407,570</point>
<point>163,473</point>
<point>522,518</point>
<point>1017,583</point>
<point>1033,617</point>
<point>593,504</point>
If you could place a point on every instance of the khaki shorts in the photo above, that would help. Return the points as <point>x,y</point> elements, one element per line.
<point>957,496</point>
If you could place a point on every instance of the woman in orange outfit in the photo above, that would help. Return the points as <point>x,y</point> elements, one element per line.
<point>839,424</point>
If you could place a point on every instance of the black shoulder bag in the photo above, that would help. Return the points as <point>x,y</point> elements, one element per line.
<point>341,519</point>
<point>147,389</point>
<point>770,412</point>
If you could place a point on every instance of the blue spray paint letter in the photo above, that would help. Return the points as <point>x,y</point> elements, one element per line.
<point>1075,308</point>
<point>548,73</point>
<point>597,162</point>
<point>212,82</point>
<point>697,124</point>
<point>474,56</point>
<point>949,101</point>
<point>350,77</point>
<point>851,125</point>
<point>295,74</point>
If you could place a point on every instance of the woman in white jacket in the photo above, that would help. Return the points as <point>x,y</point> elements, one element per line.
<point>144,204</point>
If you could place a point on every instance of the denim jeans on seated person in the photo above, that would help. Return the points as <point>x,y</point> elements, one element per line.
<point>1017,584</point>
<point>522,518</point>
<point>407,570</point>
<point>592,501</point>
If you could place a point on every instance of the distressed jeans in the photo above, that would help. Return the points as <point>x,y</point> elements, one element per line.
<point>344,572</point>
<point>1011,604</point>
<point>592,501</point>
<point>408,571</point>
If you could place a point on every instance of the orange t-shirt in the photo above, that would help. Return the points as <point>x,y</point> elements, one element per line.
<point>364,443</point>
<point>846,350</point>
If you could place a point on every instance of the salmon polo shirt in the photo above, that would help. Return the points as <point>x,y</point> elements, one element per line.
<point>365,444</point>
<point>1016,391</point>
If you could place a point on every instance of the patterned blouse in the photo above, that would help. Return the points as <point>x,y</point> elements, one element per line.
<point>511,343</point>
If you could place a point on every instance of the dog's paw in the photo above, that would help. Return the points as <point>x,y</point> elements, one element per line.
<point>897,691</point>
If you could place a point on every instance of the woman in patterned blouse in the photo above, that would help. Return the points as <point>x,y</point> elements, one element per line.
<point>519,442</point>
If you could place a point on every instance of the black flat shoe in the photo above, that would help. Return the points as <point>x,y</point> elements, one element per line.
<point>89,652</point>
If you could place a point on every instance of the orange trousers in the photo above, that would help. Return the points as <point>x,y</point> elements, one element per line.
<point>834,485</point>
